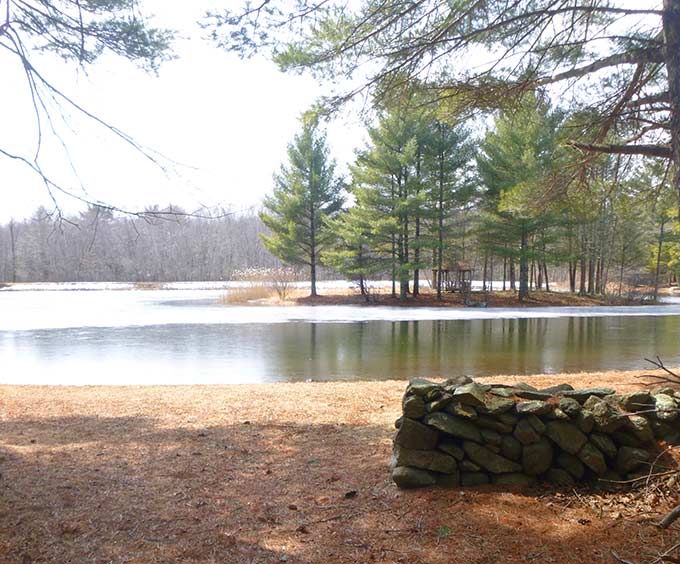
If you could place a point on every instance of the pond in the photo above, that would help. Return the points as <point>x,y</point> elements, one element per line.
<point>188,337</point>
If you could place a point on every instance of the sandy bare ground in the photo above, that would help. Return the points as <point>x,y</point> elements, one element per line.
<point>274,473</point>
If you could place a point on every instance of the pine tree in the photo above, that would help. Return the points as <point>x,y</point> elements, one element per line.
<point>306,194</point>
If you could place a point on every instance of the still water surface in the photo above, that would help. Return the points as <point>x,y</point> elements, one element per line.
<point>187,337</point>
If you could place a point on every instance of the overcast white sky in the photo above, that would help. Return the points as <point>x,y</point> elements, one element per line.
<point>229,120</point>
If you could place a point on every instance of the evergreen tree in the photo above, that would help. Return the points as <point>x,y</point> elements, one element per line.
<point>306,194</point>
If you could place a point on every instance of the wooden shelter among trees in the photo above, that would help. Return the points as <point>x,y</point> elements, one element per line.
<point>456,277</point>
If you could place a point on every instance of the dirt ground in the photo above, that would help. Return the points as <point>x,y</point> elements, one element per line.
<point>292,473</point>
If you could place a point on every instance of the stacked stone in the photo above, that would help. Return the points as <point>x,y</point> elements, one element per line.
<point>463,433</point>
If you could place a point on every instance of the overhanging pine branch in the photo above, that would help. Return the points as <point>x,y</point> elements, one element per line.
<point>662,151</point>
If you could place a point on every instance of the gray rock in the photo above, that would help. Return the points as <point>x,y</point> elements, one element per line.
<point>560,477</point>
<point>511,448</point>
<point>460,410</point>
<point>582,395</point>
<point>666,407</point>
<point>591,456</point>
<point>534,407</point>
<point>537,457</point>
<point>566,436</point>
<point>569,406</point>
<point>425,460</point>
<point>514,479</point>
<point>471,479</point>
<point>641,428</point>
<point>452,449</point>
<point>605,444</point>
<point>422,387</point>
<point>585,421</point>
<point>487,422</point>
<point>489,460</point>
<point>571,464</point>
<point>494,405</point>
<point>470,394</point>
<point>491,437</point>
<point>630,459</point>
<point>407,478</point>
<point>667,390</point>
<point>502,391</point>
<point>469,466</point>
<point>454,426</point>
<point>439,404</point>
<point>525,433</point>
<point>637,401</point>
<point>398,422</point>
<point>416,436</point>
<point>413,406</point>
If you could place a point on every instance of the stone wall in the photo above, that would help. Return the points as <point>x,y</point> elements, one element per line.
<point>463,433</point>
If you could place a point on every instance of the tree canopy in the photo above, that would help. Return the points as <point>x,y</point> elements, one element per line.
<point>618,64</point>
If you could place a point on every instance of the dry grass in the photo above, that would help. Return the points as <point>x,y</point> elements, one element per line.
<point>249,294</point>
<point>268,473</point>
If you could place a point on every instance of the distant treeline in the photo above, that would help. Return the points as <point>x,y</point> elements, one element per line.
<point>97,245</point>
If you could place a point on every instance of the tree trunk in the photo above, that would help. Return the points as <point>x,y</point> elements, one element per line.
<point>671,33</point>
<point>13,249</point>
<point>658,259</point>
<point>523,268</point>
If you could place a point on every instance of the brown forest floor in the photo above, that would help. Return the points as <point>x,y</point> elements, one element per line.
<point>274,473</point>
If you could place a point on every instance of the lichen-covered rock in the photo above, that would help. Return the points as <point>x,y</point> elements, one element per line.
<point>626,438</point>
<point>582,395</point>
<point>559,415</point>
<point>461,410</point>
<point>593,458</point>
<point>407,478</point>
<point>585,421</point>
<point>470,394</point>
<point>537,424</point>
<point>495,405</point>
<point>571,464</point>
<point>398,422</point>
<point>525,433</point>
<point>511,448</point>
<point>440,403</point>
<point>666,407</point>
<point>471,479</point>
<point>560,477</point>
<point>416,436</point>
<point>566,436</point>
<point>469,466</point>
<point>605,444</point>
<point>491,437</point>
<point>489,460</point>
<point>413,406</point>
<point>425,460</point>
<point>607,418</point>
<point>537,457</point>
<point>454,426</point>
<point>641,428</point>
<point>456,381</point>
<point>533,407</point>
<point>637,401</point>
<point>452,449</point>
<point>569,406</point>
<point>557,389</point>
<point>630,459</point>
<point>486,422</point>
<point>533,395</point>
<point>448,480</point>
<point>507,418</point>
<point>422,387</point>
<point>514,479</point>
